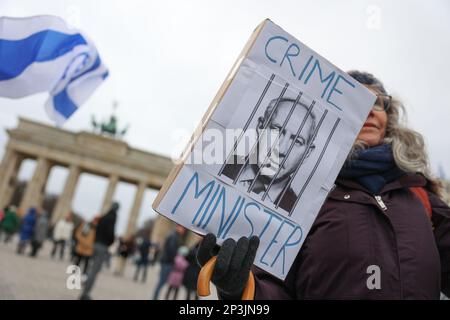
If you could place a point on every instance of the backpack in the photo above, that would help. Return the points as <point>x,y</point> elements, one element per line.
<point>423,196</point>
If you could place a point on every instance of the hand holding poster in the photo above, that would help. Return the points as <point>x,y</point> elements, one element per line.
<point>269,148</point>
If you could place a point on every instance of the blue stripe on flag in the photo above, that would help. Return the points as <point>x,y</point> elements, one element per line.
<point>17,55</point>
<point>63,104</point>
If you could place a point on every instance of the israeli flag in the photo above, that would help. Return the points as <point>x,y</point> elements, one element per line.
<point>43,53</point>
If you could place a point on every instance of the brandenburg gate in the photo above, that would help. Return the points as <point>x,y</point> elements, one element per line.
<point>79,152</point>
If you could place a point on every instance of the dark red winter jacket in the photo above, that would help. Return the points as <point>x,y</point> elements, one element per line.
<point>354,231</point>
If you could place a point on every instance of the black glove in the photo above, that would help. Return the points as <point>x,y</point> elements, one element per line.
<point>234,260</point>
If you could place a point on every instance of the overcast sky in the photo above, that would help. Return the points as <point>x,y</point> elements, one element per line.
<point>167,60</point>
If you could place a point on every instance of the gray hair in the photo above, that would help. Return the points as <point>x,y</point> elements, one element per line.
<point>408,146</point>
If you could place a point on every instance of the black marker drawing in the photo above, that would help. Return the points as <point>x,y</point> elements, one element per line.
<point>232,152</point>
<point>315,166</point>
<point>295,127</point>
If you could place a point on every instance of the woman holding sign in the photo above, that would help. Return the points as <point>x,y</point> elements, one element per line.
<point>383,232</point>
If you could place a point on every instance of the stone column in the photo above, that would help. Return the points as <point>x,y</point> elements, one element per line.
<point>107,200</point>
<point>163,226</point>
<point>134,214</point>
<point>8,173</point>
<point>35,187</point>
<point>64,204</point>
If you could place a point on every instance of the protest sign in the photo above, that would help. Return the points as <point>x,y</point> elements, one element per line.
<point>268,149</point>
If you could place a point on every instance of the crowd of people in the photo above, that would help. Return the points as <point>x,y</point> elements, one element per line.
<point>91,245</point>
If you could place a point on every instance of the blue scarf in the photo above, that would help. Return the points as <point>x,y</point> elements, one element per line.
<point>373,168</point>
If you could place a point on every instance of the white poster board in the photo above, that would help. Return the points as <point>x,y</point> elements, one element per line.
<point>269,148</point>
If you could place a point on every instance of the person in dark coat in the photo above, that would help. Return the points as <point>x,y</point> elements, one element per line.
<point>155,252</point>
<point>40,233</point>
<point>125,249</point>
<point>191,274</point>
<point>27,229</point>
<point>169,252</point>
<point>143,247</point>
<point>104,237</point>
<point>375,236</point>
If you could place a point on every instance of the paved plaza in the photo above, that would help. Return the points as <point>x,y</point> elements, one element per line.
<point>23,277</point>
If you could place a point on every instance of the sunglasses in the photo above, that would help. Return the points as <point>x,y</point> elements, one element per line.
<point>383,102</point>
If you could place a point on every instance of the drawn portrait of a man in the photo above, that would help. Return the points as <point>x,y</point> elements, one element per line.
<point>268,169</point>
